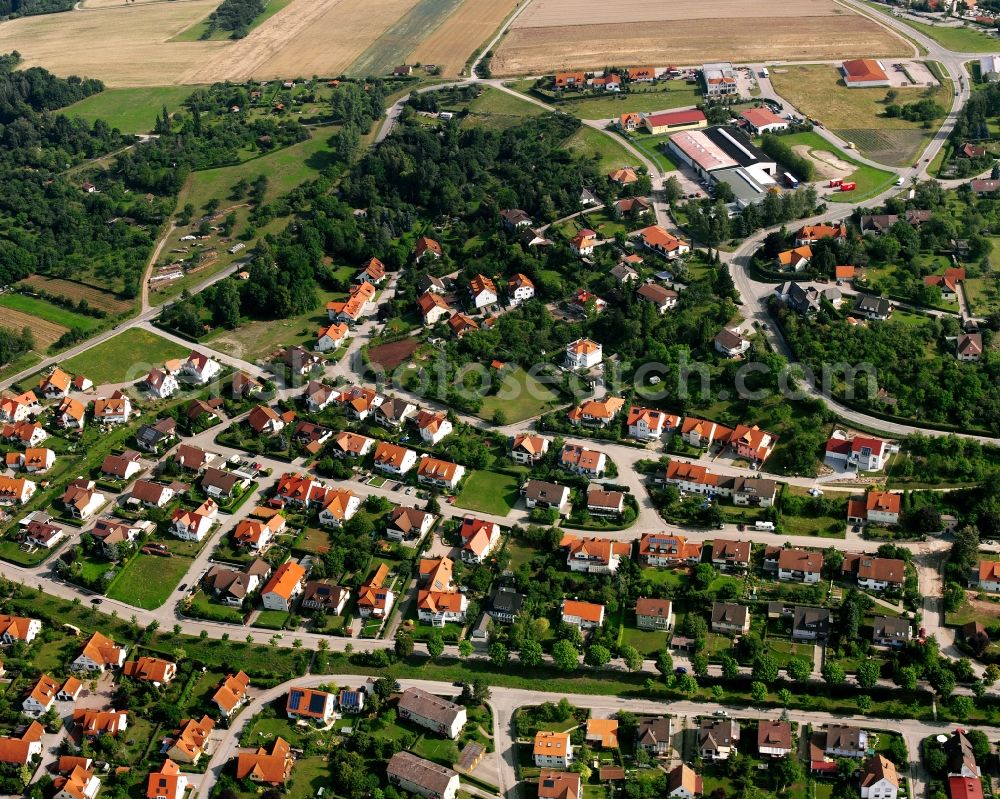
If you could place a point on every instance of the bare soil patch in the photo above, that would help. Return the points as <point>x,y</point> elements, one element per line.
<point>391,355</point>
<point>457,38</point>
<point>46,333</point>
<point>533,50</point>
<point>827,165</point>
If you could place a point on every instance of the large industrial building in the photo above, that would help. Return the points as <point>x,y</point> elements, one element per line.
<point>724,154</point>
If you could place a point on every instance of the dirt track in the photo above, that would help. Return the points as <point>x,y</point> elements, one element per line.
<point>308,37</point>
<point>826,164</point>
<point>530,51</point>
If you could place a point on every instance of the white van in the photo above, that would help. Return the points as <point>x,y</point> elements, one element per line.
<point>763,525</point>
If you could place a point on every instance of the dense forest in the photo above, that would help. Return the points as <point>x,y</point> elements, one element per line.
<point>27,8</point>
<point>235,16</point>
<point>973,118</point>
<point>47,222</point>
<point>915,365</point>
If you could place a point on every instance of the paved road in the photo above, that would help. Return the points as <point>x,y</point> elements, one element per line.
<point>505,701</point>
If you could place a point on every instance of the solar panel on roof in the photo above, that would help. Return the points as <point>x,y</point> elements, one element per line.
<point>294,698</point>
<point>316,703</point>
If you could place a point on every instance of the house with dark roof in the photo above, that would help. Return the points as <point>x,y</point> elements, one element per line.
<point>810,624</point>
<point>891,631</point>
<point>717,738</point>
<point>730,618</point>
<point>653,735</point>
<point>505,605</point>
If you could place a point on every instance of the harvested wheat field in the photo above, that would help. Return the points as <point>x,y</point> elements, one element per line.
<point>308,37</point>
<point>687,32</point>
<point>89,4</point>
<point>123,46</point>
<point>46,333</point>
<point>70,289</point>
<point>451,45</point>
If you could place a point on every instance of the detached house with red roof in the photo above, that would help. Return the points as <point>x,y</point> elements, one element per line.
<point>55,385</point>
<point>98,654</point>
<point>200,367</point>
<point>948,282</point>
<point>667,549</point>
<point>194,525</point>
<point>268,768</point>
<point>393,458</point>
<point>795,565</point>
<point>479,539</point>
<point>585,615</point>
<point>22,747</point>
<point>763,120</point>
<point>116,409</point>
<point>583,354</point>
<point>483,292</point>
<point>373,271</point>
<point>988,576</point>
<point>426,248</point>
<point>752,443</point>
<point>528,448</point>
<point>433,307</point>
<point>439,473</point>
<point>231,694</point>
<point>152,670</point>
<point>647,424</point>
<point>374,597</point>
<point>863,453</point>
<point>18,628</point>
<point>877,507</point>
<point>20,407</point>
<point>310,704</point>
<point>167,783</point>
<point>15,491</point>
<point>655,239</point>
<point>284,586</point>
<point>594,555</point>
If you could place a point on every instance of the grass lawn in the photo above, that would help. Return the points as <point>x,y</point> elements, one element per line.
<point>648,642</point>
<point>667,577</point>
<point>521,552</point>
<point>149,580</point>
<point>48,311</point>
<point>823,526</point>
<point>311,774</point>
<point>202,605</point>
<point>983,295</point>
<point>129,110</point>
<point>497,103</point>
<point>260,338</point>
<point>601,147</point>
<point>601,221</point>
<point>271,619</point>
<point>11,550</point>
<point>818,91</point>
<point>652,148</point>
<point>965,39</point>
<point>985,612</point>
<point>660,96</point>
<point>488,492</point>
<point>520,396</point>
<point>870,181</point>
<point>784,651</point>
<point>436,749</point>
<point>128,356</point>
